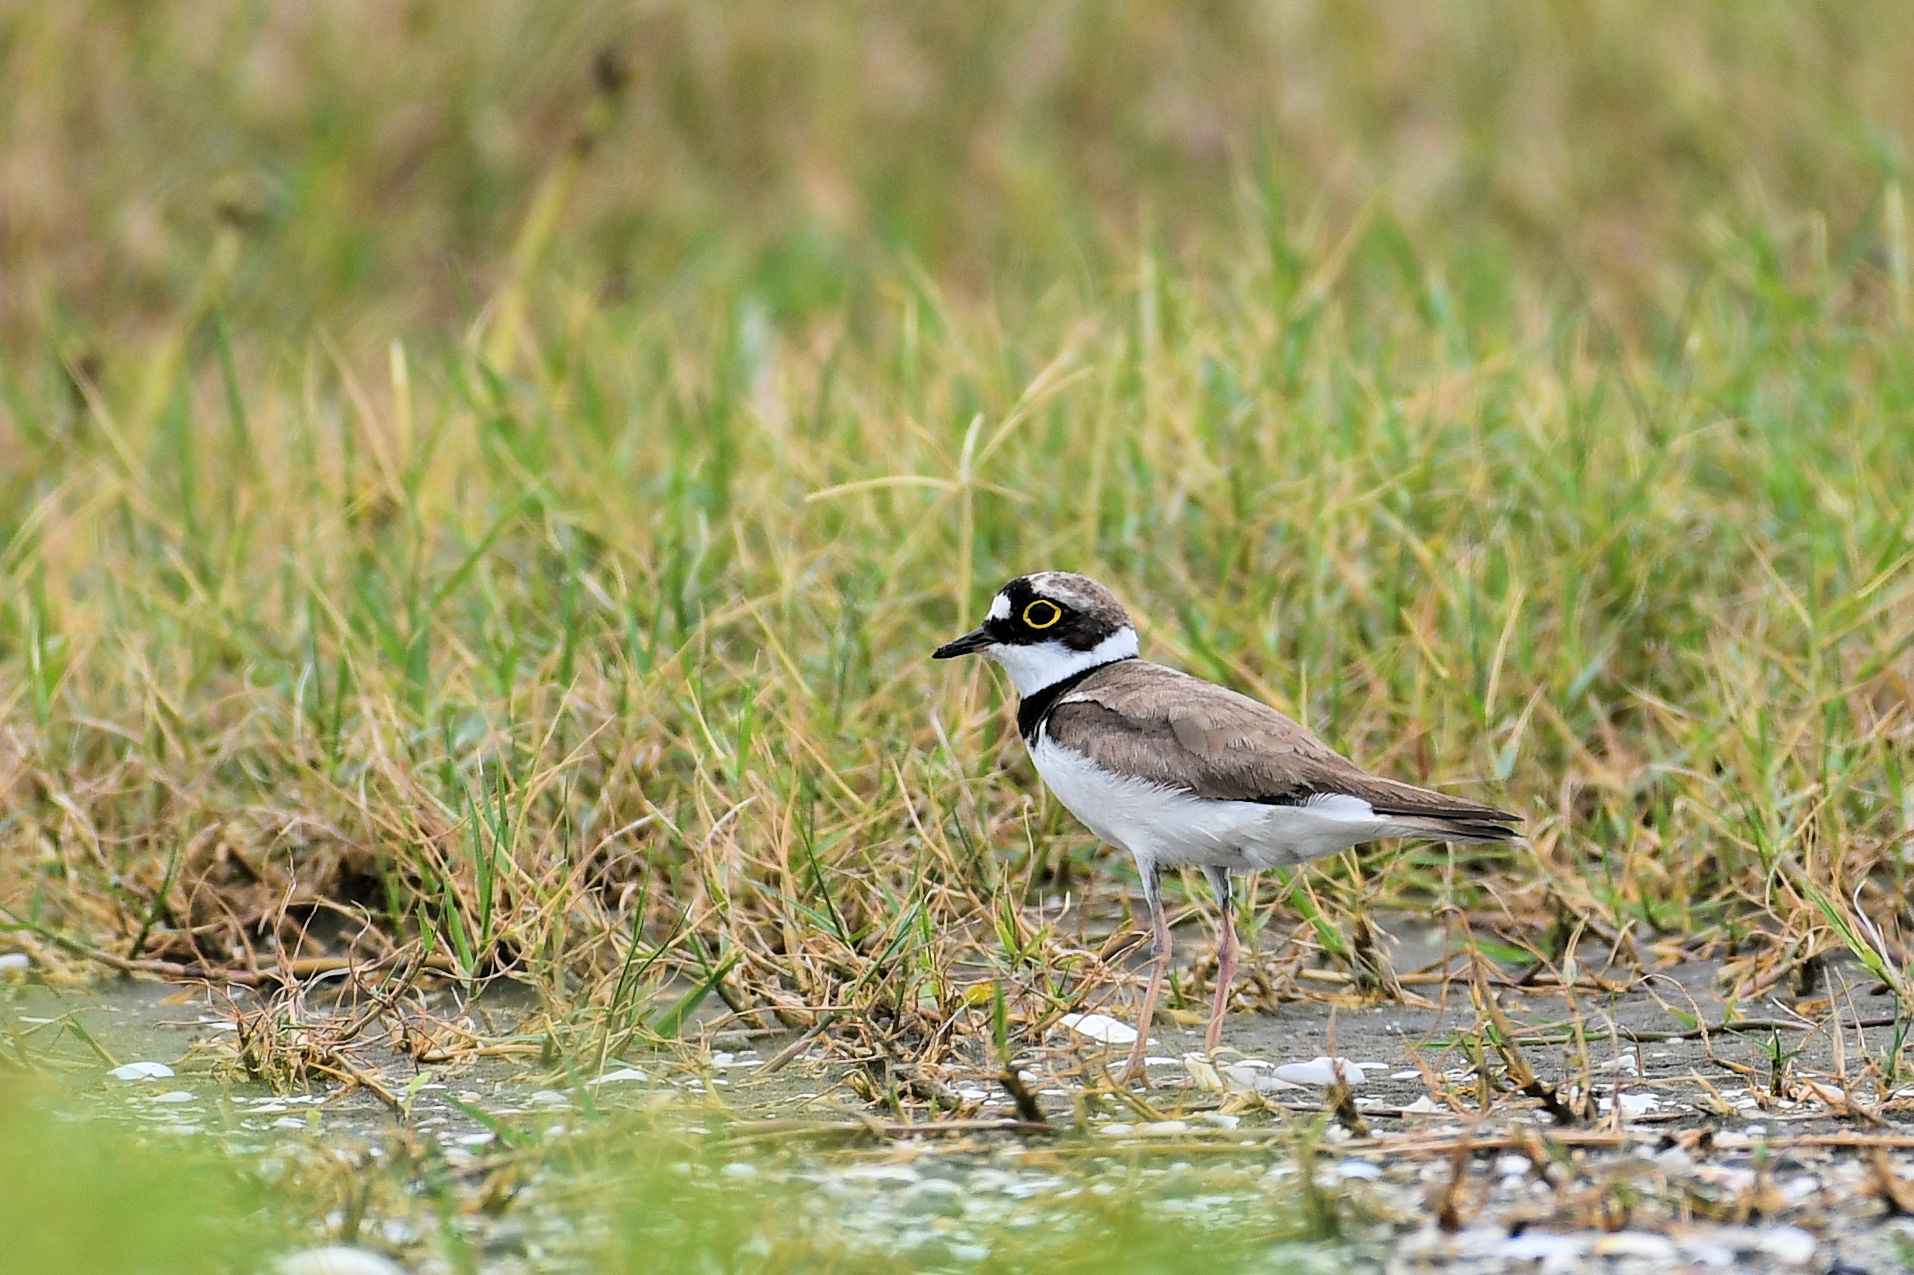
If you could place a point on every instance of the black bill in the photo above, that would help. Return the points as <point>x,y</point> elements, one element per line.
<point>969,644</point>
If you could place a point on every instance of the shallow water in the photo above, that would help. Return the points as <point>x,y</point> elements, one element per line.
<point>498,1164</point>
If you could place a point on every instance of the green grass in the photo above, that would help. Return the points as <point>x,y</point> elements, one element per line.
<point>490,503</point>
<point>579,632</point>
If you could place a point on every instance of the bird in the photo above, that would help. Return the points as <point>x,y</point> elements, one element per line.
<point>1178,771</point>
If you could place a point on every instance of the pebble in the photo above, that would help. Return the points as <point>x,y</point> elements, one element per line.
<point>1796,1190</point>
<point>1788,1245</point>
<point>1539,1246</point>
<point>880,1173</point>
<point>14,962</point>
<point>1636,1244</point>
<point>936,1187</point>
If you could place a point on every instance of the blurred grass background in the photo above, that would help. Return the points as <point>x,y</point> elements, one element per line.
<point>485,478</point>
<point>378,162</point>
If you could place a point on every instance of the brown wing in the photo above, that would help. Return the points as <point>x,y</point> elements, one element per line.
<point>1159,724</point>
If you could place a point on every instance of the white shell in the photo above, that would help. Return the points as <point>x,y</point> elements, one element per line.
<point>141,1071</point>
<point>1101,1028</point>
<point>1322,1070</point>
<point>336,1259</point>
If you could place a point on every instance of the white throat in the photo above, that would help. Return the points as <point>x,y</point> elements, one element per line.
<point>1032,668</point>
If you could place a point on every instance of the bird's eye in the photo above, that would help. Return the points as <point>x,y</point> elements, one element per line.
<point>1042,613</point>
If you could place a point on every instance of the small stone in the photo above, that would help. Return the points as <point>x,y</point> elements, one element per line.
<point>624,1075</point>
<point>12,963</point>
<point>880,1173</point>
<point>1512,1165</point>
<point>1788,1245</point>
<point>943,1187</point>
<point>1541,1246</point>
<point>1635,1244</point>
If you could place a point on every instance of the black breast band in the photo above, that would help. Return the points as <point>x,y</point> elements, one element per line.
<point>1036,706</point>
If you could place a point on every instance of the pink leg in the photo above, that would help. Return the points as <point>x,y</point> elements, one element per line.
<point>1159,966</point>
<point>1225,959</point>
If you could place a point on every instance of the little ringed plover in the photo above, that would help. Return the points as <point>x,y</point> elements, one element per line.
<point>1177,770</point>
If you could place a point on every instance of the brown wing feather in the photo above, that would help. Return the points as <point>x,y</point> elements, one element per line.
<point>1155,722</point>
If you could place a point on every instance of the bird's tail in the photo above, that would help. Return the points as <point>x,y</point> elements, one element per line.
<point>1438,816</point>
<point>1437,828</point>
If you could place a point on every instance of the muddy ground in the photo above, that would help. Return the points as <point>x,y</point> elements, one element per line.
<point>1624,1130</point>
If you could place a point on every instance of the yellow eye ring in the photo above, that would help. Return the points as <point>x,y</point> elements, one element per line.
<point>1030,614</point>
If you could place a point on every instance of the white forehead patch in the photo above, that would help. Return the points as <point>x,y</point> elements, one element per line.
<point>999,607</point>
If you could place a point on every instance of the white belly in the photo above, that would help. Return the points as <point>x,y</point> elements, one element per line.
<point>1168,826</point>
